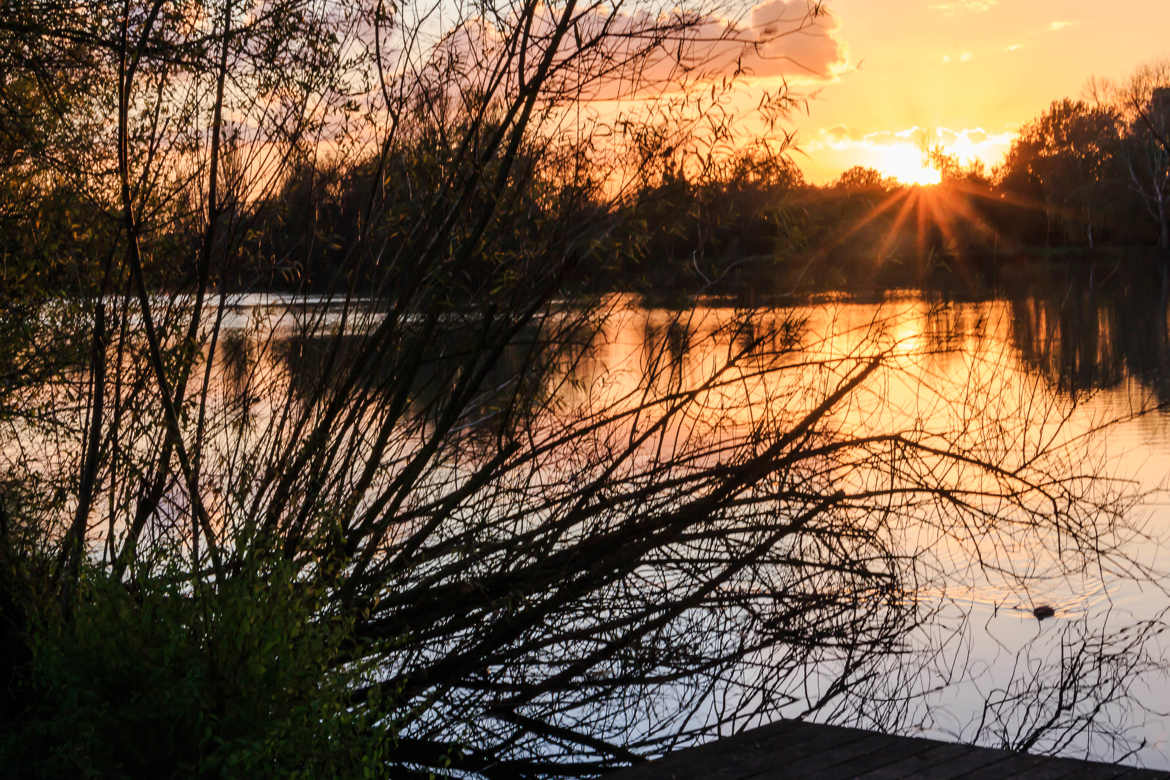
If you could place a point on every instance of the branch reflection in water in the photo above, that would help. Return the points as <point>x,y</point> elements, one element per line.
<point>647,526</point>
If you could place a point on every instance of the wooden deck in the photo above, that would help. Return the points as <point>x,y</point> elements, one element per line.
<point>799,749</point>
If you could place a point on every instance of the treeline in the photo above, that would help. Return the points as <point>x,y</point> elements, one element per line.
<point>1085,180</point>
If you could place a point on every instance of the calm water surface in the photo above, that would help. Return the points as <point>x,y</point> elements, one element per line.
<point>1077,368</point>
<point>1090,681</point>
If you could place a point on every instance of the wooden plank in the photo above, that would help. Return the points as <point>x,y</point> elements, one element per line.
<point>1052,768</point>
<point>1010,764</point>
<point>1026,765</point>
<point>1046,768</point>
<point>942,760</point>
<point>810,756</point>
<point>805,749</point>
<point>889,750</point>
<point>728,758</point>
<point>1093,769</point>
<point>800,749</point>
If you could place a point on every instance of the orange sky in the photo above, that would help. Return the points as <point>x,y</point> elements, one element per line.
<point>966,72</point>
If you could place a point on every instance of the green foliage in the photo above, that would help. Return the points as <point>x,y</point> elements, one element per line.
<point>154,681</point>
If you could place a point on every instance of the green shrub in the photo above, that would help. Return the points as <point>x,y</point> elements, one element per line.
<point>157,681</point>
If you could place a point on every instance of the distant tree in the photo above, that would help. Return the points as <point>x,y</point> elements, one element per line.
<point>1067,155</point>
<point>1144,105</point>
<point>860,177</point>
<point>947,164</point>
<point>976,173</point>
<point>52,222</point>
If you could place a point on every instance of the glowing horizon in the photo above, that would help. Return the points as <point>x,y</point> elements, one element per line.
<point>901,155</point>
<point>906,164</point>
<point>965,75</point>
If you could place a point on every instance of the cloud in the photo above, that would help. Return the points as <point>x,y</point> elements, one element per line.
<point>782,39</point>
<point>964,57</point>
<point>775,39</point>
<point>786,39</point>
<point>1014,47</point>
<point>964,6</point>
<point>1059,25</point>
<point>839,134</point>
<point>965,143</point>
<point>837,148</point>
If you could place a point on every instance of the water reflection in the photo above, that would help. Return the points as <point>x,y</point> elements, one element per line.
<point>951,650</point>
<point>431,363</point>
<point>1088,340</point>
<point>1081,340</point>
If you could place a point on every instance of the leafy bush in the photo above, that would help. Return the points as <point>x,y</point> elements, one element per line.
<point>160,681</point>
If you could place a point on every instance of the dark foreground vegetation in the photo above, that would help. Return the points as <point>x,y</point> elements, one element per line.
<point>404,537</point>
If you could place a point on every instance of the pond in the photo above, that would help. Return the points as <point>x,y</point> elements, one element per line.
<point>1005,611</point>
<point>1030,640</point>
<point>1027,644</point>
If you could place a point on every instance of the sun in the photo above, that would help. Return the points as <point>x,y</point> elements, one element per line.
<point>905,163</point>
